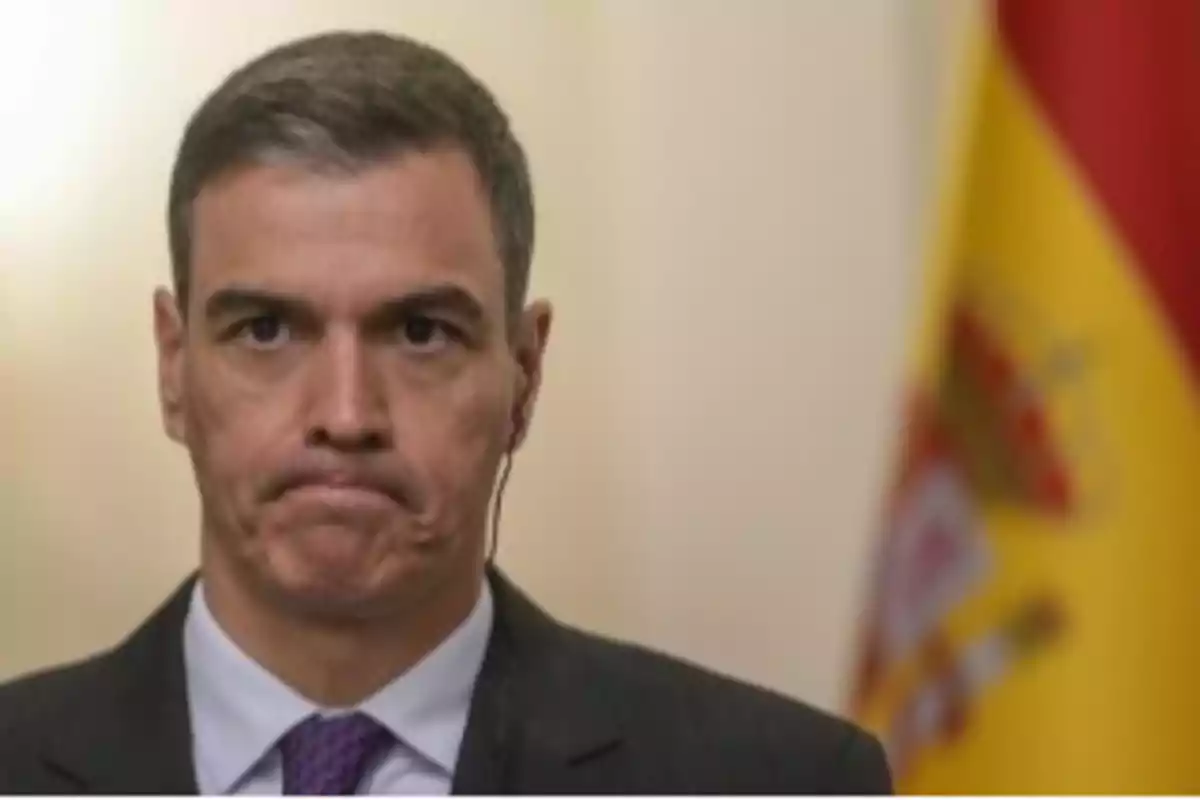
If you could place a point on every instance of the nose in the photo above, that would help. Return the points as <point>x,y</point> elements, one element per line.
<point>348,407</point>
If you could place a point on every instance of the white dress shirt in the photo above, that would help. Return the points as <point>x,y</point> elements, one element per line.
<point>239,711</point>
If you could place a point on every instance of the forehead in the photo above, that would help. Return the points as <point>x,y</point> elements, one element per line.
<point>348,239</point>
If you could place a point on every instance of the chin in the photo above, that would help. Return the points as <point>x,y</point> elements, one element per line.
<point>334,574</point>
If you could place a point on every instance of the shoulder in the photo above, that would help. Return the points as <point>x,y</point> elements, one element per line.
<point>733,727</point>
<point>38,698</point>
<point>33,708</point>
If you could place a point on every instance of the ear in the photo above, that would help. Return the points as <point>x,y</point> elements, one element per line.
<point>529,348</point>
<point>169,334</point>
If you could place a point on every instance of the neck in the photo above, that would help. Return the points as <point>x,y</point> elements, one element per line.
<point>334,663</point>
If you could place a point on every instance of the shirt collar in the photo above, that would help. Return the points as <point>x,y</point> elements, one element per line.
<point>240,710</point>
<point>427,706</point>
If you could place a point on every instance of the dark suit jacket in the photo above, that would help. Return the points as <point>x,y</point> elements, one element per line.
<point>555,711</point>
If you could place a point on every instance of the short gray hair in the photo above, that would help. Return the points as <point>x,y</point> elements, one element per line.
<point>345,101</point>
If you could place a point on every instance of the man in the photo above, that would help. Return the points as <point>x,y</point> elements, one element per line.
<point>349,360</point>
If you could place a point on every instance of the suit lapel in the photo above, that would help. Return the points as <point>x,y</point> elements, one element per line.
<point>534,722</point>
<point>128,731</point>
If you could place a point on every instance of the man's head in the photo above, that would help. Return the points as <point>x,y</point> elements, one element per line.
<point>348,355</point>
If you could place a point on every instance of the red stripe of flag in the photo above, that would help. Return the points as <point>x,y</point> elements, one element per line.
<point>1119,80</point>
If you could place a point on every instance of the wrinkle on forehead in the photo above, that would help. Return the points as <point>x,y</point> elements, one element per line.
<point>419,218</point>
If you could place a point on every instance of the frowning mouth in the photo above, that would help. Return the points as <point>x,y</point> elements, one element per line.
<point>336,489</point>
<point>340,498</point>
<point>339,494</point>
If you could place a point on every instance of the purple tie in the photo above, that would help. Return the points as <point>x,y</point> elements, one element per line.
<point>330,756</point>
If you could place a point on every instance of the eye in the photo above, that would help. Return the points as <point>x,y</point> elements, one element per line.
<point>265,331</point>
<point>427,333</point>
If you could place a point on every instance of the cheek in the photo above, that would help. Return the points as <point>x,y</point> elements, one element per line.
<point>231,431</point>
<point>459,442</point>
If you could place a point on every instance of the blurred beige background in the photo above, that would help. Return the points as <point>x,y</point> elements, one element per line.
<point>731,201</point>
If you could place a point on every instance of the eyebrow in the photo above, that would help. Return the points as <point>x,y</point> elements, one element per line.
<point>444,297</point>
<point>232,300</point>
<point>449,297</point>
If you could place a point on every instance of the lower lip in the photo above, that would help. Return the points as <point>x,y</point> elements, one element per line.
<point>354,496</point>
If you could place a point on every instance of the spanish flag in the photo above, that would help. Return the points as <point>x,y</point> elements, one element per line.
<point>1034,622</point>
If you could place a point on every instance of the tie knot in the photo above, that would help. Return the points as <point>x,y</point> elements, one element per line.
<point>330,755</point>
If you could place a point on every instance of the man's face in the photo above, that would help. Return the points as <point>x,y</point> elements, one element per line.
<point>344,379</point>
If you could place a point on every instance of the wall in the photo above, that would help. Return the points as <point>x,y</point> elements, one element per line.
<point>761,187</point>
<point>729,197</point>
